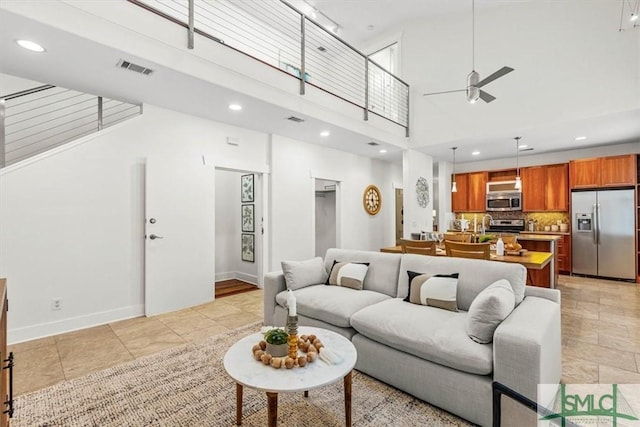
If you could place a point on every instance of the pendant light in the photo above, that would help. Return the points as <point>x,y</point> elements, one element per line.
<point>518,184</point>
<point>454,187</point>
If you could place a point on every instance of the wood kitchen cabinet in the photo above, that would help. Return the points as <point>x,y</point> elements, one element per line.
<point>564,254</point>
<point>545,188</point>
<point>472,192</point>
<point>459,202</point>
<point>477,188</point>
<point>610,171</point>
<point>534,182</point>
<point>557,187</point>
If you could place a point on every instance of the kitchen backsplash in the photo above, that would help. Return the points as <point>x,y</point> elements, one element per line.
<point>541,219</point>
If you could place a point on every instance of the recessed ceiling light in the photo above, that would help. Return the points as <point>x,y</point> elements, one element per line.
<point>325,133</point>
<point>521,146</point>
<point>29,45</point>
<point>475,153</point>
<point>581,138</point>
<point>383,151</point>
<point>235,107</point>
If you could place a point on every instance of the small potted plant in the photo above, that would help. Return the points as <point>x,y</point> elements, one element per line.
<point>277,345</point>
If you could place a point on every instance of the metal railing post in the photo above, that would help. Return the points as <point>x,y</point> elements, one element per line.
<point>3,148</point>
<point>407,118</point>
<point>366,88</point>
<point>302,50</point>
<point>99,113</point>
<point>191,24</point>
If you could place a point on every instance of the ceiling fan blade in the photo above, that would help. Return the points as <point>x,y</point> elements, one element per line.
<point>501,72</point>
<point>486,97</point>
<point>446,91</point>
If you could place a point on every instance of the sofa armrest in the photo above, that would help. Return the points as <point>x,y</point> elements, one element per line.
<point>527,347</point>
<point>273,284</point>
<point>536,291</point>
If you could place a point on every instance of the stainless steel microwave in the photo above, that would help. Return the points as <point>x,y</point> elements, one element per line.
<point>503,196</point>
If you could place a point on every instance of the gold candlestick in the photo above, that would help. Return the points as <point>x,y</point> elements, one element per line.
<point>292,330</point>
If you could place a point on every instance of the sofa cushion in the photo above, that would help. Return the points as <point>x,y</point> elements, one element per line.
<point>331,304</point>
<point>438,290</point>
<point>382,275</point>
<point>349,274</point>
<point>475,275</point>
<point>426,332</point>
<point>488,310</point>
<point>298,274</point>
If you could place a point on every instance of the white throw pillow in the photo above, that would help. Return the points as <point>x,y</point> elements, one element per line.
<point>489,309</point>
<point>298,274</point>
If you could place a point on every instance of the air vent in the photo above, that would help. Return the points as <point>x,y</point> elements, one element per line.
<point>372,143</point>
<point>295,119</point>
<point>322,48</point>
<point>526,149</point>
<point>134,67</point>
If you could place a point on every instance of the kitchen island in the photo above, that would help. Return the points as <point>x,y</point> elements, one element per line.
<point>538,264</point>
<point>546,277</point>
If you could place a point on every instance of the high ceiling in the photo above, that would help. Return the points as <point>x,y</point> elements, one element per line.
<point>82,64</point>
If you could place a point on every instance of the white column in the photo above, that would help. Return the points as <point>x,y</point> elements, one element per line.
<point>416,218</point>
<point>444,195</point>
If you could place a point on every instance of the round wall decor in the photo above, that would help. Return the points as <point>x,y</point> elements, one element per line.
<point>422,192</point>
<point>372,200</point>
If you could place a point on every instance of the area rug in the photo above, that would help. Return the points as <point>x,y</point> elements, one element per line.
<point>188,386</point>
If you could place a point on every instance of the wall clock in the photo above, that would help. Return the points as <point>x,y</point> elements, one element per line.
<point>372,200</point>
<point>422,192</point>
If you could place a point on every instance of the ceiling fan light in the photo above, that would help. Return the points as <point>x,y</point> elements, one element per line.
<point>473,94</point>
<point>634,17</point>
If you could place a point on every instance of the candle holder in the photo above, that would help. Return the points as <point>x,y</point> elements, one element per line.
<point>292,330</point>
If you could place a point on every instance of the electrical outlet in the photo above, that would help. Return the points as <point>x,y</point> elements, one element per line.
<point>56,304</point>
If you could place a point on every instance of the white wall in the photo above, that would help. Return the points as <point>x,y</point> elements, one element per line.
<point>416,165</point>
<point>10,84</point>
<point>72,223</point>
<point>295,165</point>
<point>229,264</point>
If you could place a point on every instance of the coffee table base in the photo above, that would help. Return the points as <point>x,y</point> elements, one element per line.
<point>272,404</point>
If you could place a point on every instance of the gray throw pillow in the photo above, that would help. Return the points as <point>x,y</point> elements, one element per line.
<point>298,274</point>
<point>489,309</point>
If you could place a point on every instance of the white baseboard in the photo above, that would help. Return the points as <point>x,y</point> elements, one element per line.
<point>42,330</point>
<point>225,276</point>
<point>249,278</point>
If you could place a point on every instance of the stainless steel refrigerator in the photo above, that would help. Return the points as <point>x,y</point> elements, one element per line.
<point>602,234</point>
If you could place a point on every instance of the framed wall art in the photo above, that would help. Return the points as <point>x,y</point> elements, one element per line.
<point>248,218</point>
<point>246,188</point>
<point>248,247</point>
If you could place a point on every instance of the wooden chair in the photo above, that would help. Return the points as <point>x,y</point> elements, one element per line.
<point>415,245</point>
<point>468,250</point>
<point>458,237</point>
<point>423,250</point>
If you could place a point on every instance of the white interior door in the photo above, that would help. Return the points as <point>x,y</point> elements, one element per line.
<point>180,239</point>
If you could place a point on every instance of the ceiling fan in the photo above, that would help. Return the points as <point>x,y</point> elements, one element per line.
<point>473,79</point>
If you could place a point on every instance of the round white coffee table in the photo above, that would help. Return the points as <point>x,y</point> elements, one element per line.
<point>246,371</point>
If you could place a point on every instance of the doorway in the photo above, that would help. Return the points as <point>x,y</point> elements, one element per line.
<point>325,216</point>
<point>399,215</point>
<point>238,230</point>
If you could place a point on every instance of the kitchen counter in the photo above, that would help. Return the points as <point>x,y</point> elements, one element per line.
<point>557,233</point>
<point>539,237</point>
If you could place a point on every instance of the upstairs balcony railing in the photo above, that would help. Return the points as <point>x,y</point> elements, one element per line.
<point>280,36</point>
<point>36,120</point>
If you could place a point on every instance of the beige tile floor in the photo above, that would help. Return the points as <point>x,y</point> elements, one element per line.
<point>600,336</point>
<point>44,362</point>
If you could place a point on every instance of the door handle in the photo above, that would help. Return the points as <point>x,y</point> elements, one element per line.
<point>154,237</point>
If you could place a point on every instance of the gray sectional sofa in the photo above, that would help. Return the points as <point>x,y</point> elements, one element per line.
<point>426,351</point>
